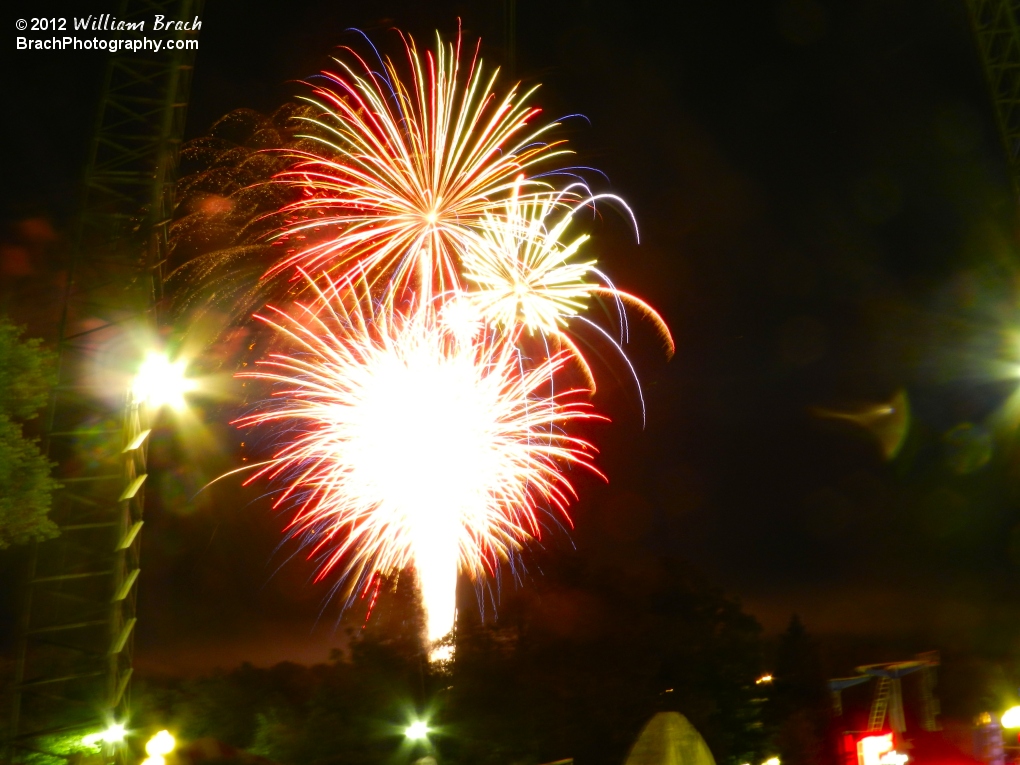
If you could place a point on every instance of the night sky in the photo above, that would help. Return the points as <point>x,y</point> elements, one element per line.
<point>825,220</point>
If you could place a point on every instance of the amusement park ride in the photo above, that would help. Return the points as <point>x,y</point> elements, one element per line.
<point>995,27</point>
<point>886,722</point>
<point>74,647</point>
<point>994,24</point>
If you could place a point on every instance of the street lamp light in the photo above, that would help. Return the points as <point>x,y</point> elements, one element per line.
<point>162,382</point>
<point>158,747</point>
<point>1011,718</point>
<point>417,731</point>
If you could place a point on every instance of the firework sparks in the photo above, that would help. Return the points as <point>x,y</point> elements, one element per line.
<point>520,271</point>
<point>523,271</point>
<point>415,426</point>
<point>408,165</point>
<point>409,445</point>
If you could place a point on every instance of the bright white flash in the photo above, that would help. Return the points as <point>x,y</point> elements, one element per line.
<point>161,382</point>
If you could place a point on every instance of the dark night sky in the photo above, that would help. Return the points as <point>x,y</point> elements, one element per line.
<point>825,219</point>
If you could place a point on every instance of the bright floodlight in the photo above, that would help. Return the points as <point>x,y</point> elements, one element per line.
<point>1011,718</point>
<point>160,744</point>
<point>417,731</point>
<point>162,382</point>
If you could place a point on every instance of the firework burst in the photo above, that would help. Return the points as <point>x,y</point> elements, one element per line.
<point>523,271</point>
<point>418,424</point>
<point>409,164</point>
<point>407,444</point>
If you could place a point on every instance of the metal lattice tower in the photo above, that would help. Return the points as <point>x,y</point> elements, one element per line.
<point>888,697</point>
<point>510,36</point>
<point>880,704</point>
<point>887,700</point>
<point>75,635</point>
<point>997,36</point>
<point>930,707</point>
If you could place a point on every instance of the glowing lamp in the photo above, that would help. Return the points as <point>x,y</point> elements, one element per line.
<point>771,761</point>
<point>161,382</point>
<point>1011,718</point>
<point>161,744</point>
<point>763,680</point>
<point>417,731</point>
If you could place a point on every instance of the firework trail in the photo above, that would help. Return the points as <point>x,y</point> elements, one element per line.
<point>408,445</point>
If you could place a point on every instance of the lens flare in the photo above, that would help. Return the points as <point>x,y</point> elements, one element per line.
<point>407,444</point>
<point>417,731</point>
<point>407,164</point>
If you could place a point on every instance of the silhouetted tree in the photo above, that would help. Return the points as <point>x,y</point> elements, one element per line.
<point>581,659</point>
<point>574,666</point>
<point>799,710</point>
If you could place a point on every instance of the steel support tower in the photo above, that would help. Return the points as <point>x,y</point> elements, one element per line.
<point>75,635</point>
<point>888,697</point>
<point>997,36</point>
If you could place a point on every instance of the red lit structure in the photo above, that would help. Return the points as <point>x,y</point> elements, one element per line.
<point>887,714</point>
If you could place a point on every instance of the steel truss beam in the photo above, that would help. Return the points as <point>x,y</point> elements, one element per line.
<point>75,637</point>
<point>997,36</point>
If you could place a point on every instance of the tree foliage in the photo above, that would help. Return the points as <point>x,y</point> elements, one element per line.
<point>574,666</point>
<point>26,485</point>
<point>800,707</point>
<point>590,651</point>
